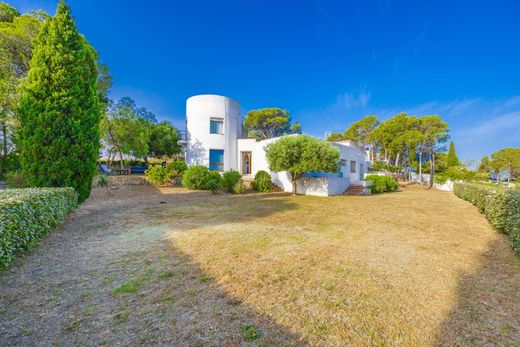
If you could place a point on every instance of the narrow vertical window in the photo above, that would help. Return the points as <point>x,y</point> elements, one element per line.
<point>216,159</point>
<point>353,166</point>
<point>216,126</point>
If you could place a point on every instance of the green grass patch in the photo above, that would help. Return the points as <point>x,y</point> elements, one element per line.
<point>249,332</point>
<point>130,287</point>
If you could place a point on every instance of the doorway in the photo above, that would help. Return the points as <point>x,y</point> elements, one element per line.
<point>246,163</point>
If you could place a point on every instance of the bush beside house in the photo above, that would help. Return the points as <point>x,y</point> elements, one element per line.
<point>177,167</point>
<point>27,215</point>
<point>262,182</point>
<point>500,205</point>
<point>157,175</point>
<point>196,177</point>
<point>382,184</point>
<point>230,180</point>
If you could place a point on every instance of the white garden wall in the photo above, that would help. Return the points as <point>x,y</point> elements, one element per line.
<point>322,186</point>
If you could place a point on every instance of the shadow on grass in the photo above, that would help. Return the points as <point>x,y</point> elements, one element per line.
<point>488,305</point>
<point>109,277</point>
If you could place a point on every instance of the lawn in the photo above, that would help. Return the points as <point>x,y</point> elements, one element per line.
<point>173,267</point>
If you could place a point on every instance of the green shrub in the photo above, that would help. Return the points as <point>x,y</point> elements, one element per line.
<point>177,167</point>
<point>16,180</point>
<point>382,184</point>
<point>213,185</point>
<point>27,215</point>
<point>157,175</point>
<point>196,177</point>
<point>230,180</point>
<point>262,182</point>
<point>500,205</point>
<point>101,180</point>
<point>239,187</point>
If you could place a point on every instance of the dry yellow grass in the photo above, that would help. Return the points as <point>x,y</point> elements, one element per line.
<point>412,268</point>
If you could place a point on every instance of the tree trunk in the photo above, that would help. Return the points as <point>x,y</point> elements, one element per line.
<point>108,157</point>
<point>4,134</point>
<point>509,174</point>
<point>420,168</point>
<point>397,158</point>
<point>121,160</point>
<point>432,168</point>
<point>294,181</point>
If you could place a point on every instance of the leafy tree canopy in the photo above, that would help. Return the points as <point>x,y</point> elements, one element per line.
<point>507,159</point>
<point>270,122</point>
<point>484,165</point>
<point>360,131</point>
<point>301,153</point>
<point>334,137</point>
<point>7,12</point>
<point>17,33</point>
<point>126,133</point>
<point>163,140</point>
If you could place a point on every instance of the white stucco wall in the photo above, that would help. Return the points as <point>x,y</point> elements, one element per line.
<point>349,152</point>
<point>259,161</point>
<point>325,186</point>
<point>199,110</point>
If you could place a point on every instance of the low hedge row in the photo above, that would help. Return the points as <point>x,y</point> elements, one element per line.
<point>500,205</point>
<point>27,215</point>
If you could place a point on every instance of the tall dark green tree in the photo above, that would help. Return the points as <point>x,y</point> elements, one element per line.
<point>453,160</point>
<point>59,112</point>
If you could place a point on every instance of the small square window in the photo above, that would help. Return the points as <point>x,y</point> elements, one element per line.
<point>216,159</point>
<point>353,166</point>
<point>216,126</point>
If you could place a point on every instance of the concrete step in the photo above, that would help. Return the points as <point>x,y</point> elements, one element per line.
<point>357,190</point>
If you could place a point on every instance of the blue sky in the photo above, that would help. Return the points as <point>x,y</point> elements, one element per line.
<point>328,62</point>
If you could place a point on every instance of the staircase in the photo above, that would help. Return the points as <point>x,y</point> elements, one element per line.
<point>357,190</point>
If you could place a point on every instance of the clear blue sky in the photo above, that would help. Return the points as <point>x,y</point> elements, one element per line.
<point>328,62</point>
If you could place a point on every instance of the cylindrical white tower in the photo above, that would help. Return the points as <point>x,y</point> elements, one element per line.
<point>213,127</point>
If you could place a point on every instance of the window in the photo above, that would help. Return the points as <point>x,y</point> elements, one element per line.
<point>216,126</point>
<point>216,159</point>
<point>353,166</point>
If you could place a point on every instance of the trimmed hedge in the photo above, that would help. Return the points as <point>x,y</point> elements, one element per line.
<point>500,205</point>
<point>381,184</point>
<point>27,215</point>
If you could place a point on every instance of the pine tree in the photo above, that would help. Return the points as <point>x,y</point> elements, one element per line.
<point>59,112</point>
<point>453,160</point>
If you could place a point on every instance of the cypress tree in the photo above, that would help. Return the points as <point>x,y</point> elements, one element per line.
<point>453,160</point>
<point>59,112</point>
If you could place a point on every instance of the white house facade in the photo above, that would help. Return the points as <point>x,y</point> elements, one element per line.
<point>215,139</point>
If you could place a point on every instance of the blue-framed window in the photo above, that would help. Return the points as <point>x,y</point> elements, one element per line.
<point>216,126</point>
<point>216,159</point>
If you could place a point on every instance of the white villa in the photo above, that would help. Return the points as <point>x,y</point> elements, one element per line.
<point>215,139</point>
